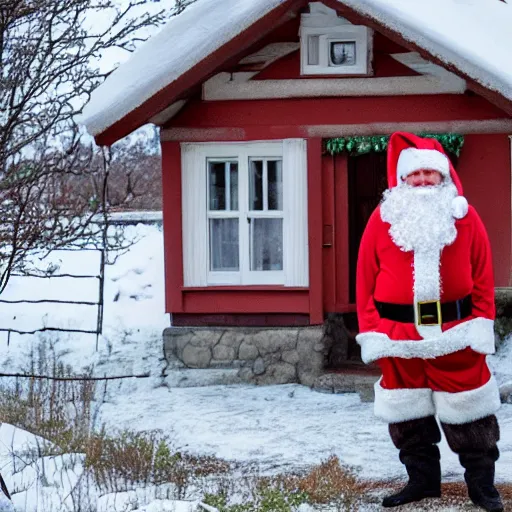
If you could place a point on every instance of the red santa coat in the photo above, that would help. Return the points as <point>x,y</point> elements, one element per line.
<point>387,273</point>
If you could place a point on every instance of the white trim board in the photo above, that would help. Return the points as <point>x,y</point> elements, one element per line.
<point>270,53</point>
<point>221,88</point>
<point>180,134</point>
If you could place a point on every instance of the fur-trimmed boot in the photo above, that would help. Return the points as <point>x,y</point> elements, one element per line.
<point>417,440</point>
<point>475,444</point>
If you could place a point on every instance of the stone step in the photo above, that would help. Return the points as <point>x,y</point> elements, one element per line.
<point>348,381</point>
<point>193,378</point>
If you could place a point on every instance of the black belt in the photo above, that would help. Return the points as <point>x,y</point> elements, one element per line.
<point>429,312</point>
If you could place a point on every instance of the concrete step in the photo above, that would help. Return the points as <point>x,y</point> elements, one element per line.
<point>192,378</point>
<point>348,381</point>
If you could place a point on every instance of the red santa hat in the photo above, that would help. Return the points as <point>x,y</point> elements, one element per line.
<point>408,153</point>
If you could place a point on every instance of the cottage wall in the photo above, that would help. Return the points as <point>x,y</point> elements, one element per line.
<point>484,168</point>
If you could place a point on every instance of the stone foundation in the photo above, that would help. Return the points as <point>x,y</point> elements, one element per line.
<point>261,355</point>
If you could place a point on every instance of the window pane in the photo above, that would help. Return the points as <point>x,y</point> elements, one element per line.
<point>313,50</point>
<point>256,185</point>
<point>224,245</point>
<point>266,244</point>
<point>275,185</point>
<point>233,173</point>
<point>343,53</point>
<point>217,179</point>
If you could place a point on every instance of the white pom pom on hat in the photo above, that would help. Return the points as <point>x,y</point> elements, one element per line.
<point>459,207</point>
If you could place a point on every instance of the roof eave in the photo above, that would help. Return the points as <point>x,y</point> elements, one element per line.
<point>233,49</point>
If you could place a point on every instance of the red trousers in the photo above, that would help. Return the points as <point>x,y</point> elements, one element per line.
<point>461,371</point>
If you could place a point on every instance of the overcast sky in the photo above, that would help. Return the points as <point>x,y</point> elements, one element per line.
<point>114,57</point>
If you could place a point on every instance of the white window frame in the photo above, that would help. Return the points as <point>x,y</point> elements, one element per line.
<point>196,214</point>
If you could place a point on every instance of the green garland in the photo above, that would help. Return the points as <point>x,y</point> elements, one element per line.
<point>361,144</point>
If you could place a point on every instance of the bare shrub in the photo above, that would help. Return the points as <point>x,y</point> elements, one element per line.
<point>130,459</point>
<point>57,410</point>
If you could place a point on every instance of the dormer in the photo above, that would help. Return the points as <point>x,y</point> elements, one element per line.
<point>331,45</point>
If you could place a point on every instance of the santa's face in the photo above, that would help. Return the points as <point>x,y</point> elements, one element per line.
<point>423,177</point>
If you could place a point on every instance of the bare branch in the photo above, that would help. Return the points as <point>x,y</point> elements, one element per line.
<point>54,184</point>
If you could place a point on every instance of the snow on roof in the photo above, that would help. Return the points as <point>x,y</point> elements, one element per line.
<point>472,35</point>
<point>185,40</point>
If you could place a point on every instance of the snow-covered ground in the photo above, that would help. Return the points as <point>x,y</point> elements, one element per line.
<point>276,428</point>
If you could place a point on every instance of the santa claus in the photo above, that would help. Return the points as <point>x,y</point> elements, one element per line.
<point>425,303</point>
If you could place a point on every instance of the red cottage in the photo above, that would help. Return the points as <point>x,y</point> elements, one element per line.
<point>274,117</point>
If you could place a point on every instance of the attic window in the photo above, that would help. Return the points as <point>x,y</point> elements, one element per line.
<point>331,45</point>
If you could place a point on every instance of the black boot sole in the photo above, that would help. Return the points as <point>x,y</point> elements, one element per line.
<point>497,508</point>
<point>390,502</point>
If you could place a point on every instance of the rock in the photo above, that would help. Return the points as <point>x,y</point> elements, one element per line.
<point>275,340</point>
<point>196,357</point>
<point>175,340</point>
<point>247,351</point>
<point>232,339</point>
<point>205,338</point>
<point>278,373</point>
<point>290,356</point>
<point>245,374</point>
<point>506,393</point>
<point>258,367</point>
<point>224,353</point>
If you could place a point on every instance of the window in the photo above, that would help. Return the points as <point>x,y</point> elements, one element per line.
<point>251,226</point>
<point>331,45</point>
<point>335,50</point>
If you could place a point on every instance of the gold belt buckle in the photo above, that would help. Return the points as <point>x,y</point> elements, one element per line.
<point>430,315</point>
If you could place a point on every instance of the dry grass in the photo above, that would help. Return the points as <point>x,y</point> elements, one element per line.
<point>131,459</point>
<point>328,482</point>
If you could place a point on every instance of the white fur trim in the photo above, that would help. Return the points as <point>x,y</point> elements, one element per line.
<point>412,159</point>
<point>459,207</point>
<point>467,406</point>
<point>477,333</point>
<point>394,405</point>
<point>427,286</point>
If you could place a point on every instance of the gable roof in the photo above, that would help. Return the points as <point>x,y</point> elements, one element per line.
<point>471,37</point>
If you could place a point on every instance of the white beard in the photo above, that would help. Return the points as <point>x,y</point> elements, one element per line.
<point>422,221</point>
<point>421,217</point>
